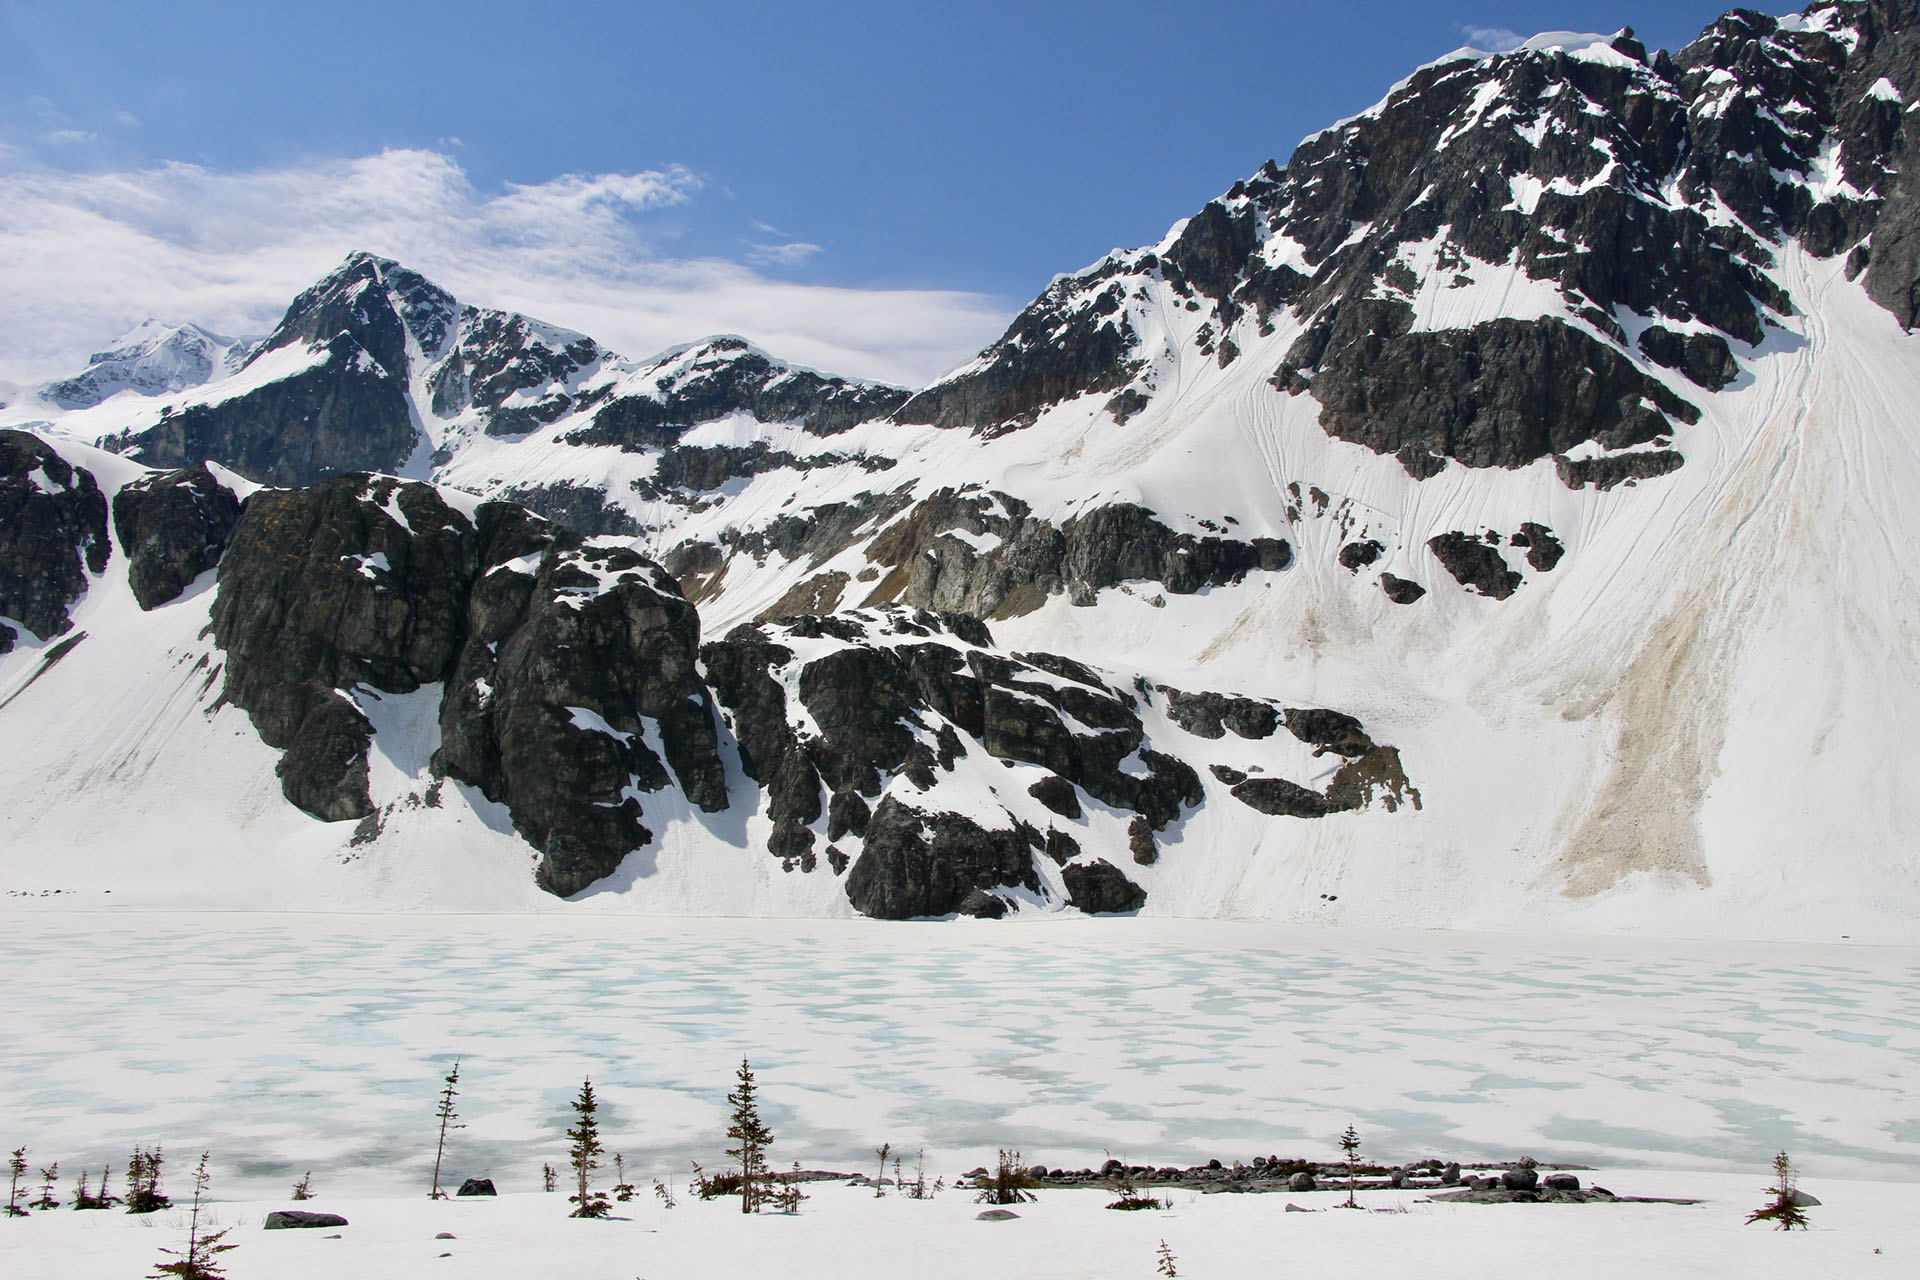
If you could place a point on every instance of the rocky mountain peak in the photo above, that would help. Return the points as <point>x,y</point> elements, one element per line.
<point>377,302</point>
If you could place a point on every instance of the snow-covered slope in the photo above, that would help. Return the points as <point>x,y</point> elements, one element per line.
<point>1552,420</point>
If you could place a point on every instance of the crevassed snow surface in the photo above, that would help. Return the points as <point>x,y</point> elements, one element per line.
<point>293,1043</point>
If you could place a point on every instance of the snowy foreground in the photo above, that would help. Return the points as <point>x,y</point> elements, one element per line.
<point>844,1233</point>
<point>285,1044</point>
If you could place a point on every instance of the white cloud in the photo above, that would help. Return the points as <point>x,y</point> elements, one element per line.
<point>781,255</point>
<point>87,256</point>
<point>1491,39</point>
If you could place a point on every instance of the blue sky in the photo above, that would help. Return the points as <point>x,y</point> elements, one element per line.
<point>949,158</point>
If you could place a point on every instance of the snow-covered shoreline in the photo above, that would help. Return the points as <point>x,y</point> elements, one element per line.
<point>844,1232</point>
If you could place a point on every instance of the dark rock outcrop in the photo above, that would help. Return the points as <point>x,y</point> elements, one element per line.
<point>1355,556</point>
<point>558,656</point>
<point>354,581</point>
<point>342,412</point>
<point>928,567</point>
<point>53,533</point>
<point>1543,549</point>
<point>295,1219</point>
<point>918,864</point>
<point>1400,590</point>
<point>567,664</point>
<point>174,527</point>
<point>724,376</point>
<point>1211,715</point>
<point>1473,563</point>
<point>1100,888</point>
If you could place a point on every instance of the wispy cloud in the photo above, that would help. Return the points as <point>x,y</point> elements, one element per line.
<point>1490,39</point>
<point>781,255</point>
<point>86,256</point>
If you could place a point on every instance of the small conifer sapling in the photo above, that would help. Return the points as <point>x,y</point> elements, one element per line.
<point>880,1180</point>
<point>200,1260</point>
<point>17,1166</point>
<point>1784,1209</point>
<point>622,1189</point>
<point>788,1195</point>
<point>586,1147</point>
<point>303,1189</point>
<point>143,1182</point>
<point>1350,1145</point>
<point>449,1119</point>
<point>549,1180</point>
<point>47,1177</point>
<point>752,1136</point>
<point>1165,1265</point>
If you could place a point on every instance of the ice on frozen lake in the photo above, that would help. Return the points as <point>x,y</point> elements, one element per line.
<point>287,1043</point>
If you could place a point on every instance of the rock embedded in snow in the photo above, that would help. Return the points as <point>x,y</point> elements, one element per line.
<point>53,533</point>
<point>1474,564</point>
<point>477,1187</point>
<point>174,526</point>
<point>1400,590</point>
<point>301,1219</point>
<point>1100,888</point>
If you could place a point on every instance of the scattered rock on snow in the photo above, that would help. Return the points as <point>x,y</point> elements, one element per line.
<point>477,1187</point>
<point>283,1219</point>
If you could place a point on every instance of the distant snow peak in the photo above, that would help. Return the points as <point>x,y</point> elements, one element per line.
<point>153,358</point>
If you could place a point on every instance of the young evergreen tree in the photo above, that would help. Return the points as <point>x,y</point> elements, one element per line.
<point>82,1197</point>
<point>880,1180</point>
<point>549,1180</point>
<point>753,1138</point>
<point>622,1189</point>
<point>1350,1145</point>
<point>1165,1265</point>
<point>143,1182</point>
<point>1784,1210</point>
<point>303,1189</point>
<point>17,1165</point>
<point>199,1262</point>
<point>47,1177</point>
<point>449,1119</point>
<point>586,1145</point>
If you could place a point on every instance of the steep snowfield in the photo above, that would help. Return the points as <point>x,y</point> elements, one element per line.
<point>1696,724</point>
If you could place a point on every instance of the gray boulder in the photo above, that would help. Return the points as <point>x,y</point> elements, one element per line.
<point>1302,1181</point>
<point>288,1219</point>
<point>477,1187</point>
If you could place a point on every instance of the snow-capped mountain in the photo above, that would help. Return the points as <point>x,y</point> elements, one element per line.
<point>150,359</point>
<point>1501,515</point>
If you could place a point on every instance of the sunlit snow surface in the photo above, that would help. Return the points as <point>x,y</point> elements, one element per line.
<point>294,1043</point>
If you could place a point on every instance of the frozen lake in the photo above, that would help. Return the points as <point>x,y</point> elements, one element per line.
<point>287,1043</point>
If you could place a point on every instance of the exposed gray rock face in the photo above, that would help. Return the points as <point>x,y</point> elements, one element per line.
<point>727,375</point>
<point>905,694</point>
<point>1100,888</point>
<point>345,412</point>
<point>1210,715</point>
<point>926,565</point>
<point>354,581</point>
<point>1400,590</point>
<point>53,533</point>
<point>559,657</point>
<point>932,864</point>
<point>1601,176</point>
<point>1473,563</point>
<point>1500,394</point>
<point>574,656</point>
<point>173,527</point>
